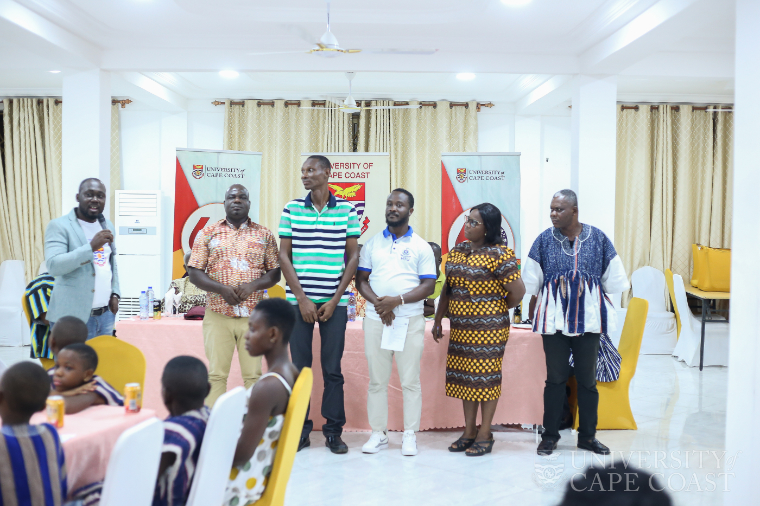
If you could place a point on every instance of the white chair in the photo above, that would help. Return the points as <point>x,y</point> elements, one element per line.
<point>218,449</point>
<point>14,330</point>
<point>133,466</point>
<point>660,333</point>
<point>716,334</point>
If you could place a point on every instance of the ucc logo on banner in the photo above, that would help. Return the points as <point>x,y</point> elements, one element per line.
<point>197,171</point>
<point>462,174</point>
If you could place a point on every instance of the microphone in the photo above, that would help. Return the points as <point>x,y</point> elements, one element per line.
<point>102,221</point>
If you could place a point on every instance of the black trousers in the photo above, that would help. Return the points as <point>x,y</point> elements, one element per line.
<point>585,348</point>
<point>333,338</point>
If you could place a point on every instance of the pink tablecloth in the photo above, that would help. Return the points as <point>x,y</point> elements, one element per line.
<point>524,373</point>
<point>89,438</point>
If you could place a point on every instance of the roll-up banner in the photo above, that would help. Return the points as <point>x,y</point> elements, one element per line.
<point>364,179</point>
<point>203,176</point>
<point>469,179</point>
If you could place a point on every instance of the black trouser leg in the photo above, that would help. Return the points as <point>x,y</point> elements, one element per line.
<point>557,351</point>
<point>333,334</point>
<point>301,354</point>
<point>585,353</point>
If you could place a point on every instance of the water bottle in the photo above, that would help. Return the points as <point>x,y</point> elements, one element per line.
<point>351,310</point>
<point>143,305</point>
<point>149,293</point>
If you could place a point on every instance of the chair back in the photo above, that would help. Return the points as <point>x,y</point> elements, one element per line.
<point>276,292</point>
<point>119,362</point>
<point>287,446</point>
<point>27,311</point>
<point>649,284</point>
<point>630,338</point>
<point>671,289</point>
<point>218,449</point>
<point>133,466</point>
<point>12,283</point>
<point>681,302</point>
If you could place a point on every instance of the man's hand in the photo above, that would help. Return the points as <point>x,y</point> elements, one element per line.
<point>437,331</point>
<point>326,311</point>
<point>308,310</point>
<point>100,239</point>
<point>244,291</point>
<point>230,296</point>
<point>386,304</point>
<point>388,318</point>
<point>113,304</point>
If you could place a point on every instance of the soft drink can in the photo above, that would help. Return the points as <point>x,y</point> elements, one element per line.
<point>132,397</point>
<point>156,309</point>
<point>55,411</point>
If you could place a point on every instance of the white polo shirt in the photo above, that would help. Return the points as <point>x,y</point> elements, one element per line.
<point>396,266</point>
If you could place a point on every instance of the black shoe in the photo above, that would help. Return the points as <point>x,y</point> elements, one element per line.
<point>546,447</point>
<point>336,444</point>
<point>593,445</point>
<point>303,443</point>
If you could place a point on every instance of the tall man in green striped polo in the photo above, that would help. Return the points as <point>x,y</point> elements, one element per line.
<point>319,254</point>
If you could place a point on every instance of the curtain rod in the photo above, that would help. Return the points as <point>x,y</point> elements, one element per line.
<point>123,103</point>
<point>297,103</point>
<point>677,108</point>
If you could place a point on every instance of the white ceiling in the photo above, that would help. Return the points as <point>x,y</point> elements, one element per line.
<point>172,50</point>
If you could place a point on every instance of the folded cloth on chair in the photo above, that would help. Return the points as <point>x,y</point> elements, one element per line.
<point>607,362</point>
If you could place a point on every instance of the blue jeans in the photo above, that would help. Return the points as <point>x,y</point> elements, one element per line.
<point>100,325</point>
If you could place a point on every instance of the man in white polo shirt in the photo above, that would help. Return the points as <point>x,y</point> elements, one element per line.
<point>396,274</point>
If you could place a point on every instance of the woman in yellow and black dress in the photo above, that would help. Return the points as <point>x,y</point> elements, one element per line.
<point>482,283</point>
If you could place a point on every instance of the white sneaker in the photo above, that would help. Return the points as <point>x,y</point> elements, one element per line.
<point>409,443</point>
<point>377,441</point>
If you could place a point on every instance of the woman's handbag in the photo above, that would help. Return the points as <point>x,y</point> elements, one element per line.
<point>712,269</point>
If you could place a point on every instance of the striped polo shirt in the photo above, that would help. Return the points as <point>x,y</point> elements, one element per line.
<point>319,245</point>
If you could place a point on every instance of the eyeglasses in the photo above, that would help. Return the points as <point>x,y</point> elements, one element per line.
<point>472,223</point>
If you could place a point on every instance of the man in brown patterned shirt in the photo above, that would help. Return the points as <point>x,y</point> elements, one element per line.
<point>235,260</point>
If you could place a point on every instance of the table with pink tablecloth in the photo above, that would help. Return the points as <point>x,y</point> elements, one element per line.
<point>88,439</point>
<point>524,373</point>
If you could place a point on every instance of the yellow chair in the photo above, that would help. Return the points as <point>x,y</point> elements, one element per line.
<point>672,290</point>
<point>119,362</point>
<point>614,404</point>
<point>276,292</point>
<point>274,493</point>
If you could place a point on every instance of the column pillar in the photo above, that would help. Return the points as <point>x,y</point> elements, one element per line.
<point>86,132</point>
<point>743,404</point>
<point>593,139</point>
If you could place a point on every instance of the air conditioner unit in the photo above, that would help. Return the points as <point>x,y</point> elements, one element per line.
<point>138,247</point>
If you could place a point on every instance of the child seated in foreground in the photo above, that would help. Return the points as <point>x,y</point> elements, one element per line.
<point>184,388</point>
<point>32,469</point>
<point>269,329</point>
<point>74,378</point>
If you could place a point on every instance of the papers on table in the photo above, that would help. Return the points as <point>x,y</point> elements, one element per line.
<point>394,335</point>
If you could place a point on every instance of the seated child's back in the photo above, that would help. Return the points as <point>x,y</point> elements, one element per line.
<point>74,378</point>
<point>269,329</point>
<point>32,469</point>
<point>185,387</point>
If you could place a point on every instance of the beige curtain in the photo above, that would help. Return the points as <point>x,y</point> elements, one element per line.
<point>415,139</point>
<point>673,187</point>
<point>115,179</point>
<point>282,133</point>
<point>30,186</point>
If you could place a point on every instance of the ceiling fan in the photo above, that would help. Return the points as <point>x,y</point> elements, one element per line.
<point>327,46</point>
<point>349,104</point>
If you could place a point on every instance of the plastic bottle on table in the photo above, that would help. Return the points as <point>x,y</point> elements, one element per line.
<point>143,305</point>
<point>149,293</point>
<point>351,309</point>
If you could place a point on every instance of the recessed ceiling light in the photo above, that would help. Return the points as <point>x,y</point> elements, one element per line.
<point>54,71</point>
<point>228,74</point>
<point>465,76</point>
<point>516,3</point>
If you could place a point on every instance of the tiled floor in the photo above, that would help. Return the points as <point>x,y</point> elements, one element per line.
<point>680,414</point>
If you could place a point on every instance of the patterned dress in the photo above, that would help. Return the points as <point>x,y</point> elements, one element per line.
<point>479,319</point>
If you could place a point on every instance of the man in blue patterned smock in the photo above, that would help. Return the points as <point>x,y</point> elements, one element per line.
<point>570,269</point>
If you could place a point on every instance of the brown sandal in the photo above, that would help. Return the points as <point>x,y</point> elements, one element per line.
<point>461,444</point>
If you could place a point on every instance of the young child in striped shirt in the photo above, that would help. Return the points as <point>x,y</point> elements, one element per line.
<point>32,468</point>
<point>74,379</point>
<point>184,388</point>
